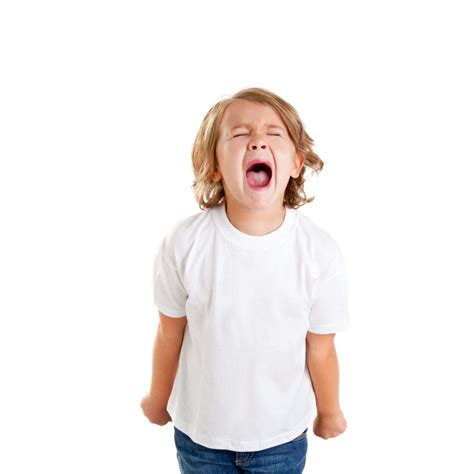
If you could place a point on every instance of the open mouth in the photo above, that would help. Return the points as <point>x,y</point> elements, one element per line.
<point>259,175</point>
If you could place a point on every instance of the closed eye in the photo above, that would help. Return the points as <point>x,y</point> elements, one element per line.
<point>243,134</point>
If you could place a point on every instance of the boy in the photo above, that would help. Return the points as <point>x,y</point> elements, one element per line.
<point>250,294</point>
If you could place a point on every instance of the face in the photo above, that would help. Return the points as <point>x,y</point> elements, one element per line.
<point>253,131</point>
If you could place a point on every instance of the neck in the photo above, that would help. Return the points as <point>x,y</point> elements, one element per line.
<point>255,221</point>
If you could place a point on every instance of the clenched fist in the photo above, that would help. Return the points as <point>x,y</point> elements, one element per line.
<point>329,426</point>
<point>154,411</point>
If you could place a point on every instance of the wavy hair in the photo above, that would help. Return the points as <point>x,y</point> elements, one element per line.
<point>209,193</point>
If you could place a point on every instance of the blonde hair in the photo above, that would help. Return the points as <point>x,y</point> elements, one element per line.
<point>209,193</point>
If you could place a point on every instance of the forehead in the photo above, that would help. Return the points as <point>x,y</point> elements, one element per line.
<point>245,111</point>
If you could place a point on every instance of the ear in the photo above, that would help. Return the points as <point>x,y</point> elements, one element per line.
<point>217,176</point>
<point>298,163</point>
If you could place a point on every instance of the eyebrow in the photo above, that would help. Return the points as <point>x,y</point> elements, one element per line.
<point>248,125</point>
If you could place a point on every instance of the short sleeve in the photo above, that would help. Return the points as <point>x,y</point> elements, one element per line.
<point>329,312</point>
<point>168,290</point>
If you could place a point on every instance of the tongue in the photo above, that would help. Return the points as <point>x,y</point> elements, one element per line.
<point>258,178</point>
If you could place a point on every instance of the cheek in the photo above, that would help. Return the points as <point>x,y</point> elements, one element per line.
<point>283,147</point>
<point>234,147</point>
<point>230,165</point>
<point>232,157</point>
<point>229,149</point>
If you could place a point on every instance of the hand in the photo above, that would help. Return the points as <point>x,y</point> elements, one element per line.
<point>154,412</point>
<point>329,425</point>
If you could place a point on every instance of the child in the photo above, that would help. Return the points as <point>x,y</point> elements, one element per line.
<point>250,294</point>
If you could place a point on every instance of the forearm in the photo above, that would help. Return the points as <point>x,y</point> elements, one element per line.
<point>324,372</point>
<point>166,353</point>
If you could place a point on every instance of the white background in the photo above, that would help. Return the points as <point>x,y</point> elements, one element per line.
<point>100,102</point>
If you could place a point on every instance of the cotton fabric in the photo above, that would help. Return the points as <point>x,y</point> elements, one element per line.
<point>242,383</point>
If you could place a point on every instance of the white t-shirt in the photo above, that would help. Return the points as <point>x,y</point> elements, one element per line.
<point>242,382</point>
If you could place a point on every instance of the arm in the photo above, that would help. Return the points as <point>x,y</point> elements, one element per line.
<point>166,352</point>
<point>323,367</point>
<point>321,358</point>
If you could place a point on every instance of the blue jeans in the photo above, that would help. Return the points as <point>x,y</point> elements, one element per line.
<point>286,458</point>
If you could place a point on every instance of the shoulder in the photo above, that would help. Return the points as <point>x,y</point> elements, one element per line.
<point>319,240</point>
<point>181,235</point>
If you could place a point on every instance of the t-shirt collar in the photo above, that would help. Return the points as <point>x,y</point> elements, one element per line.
<point>254,242</point>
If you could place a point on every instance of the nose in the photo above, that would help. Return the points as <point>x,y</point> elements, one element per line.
<point>257,142</point>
